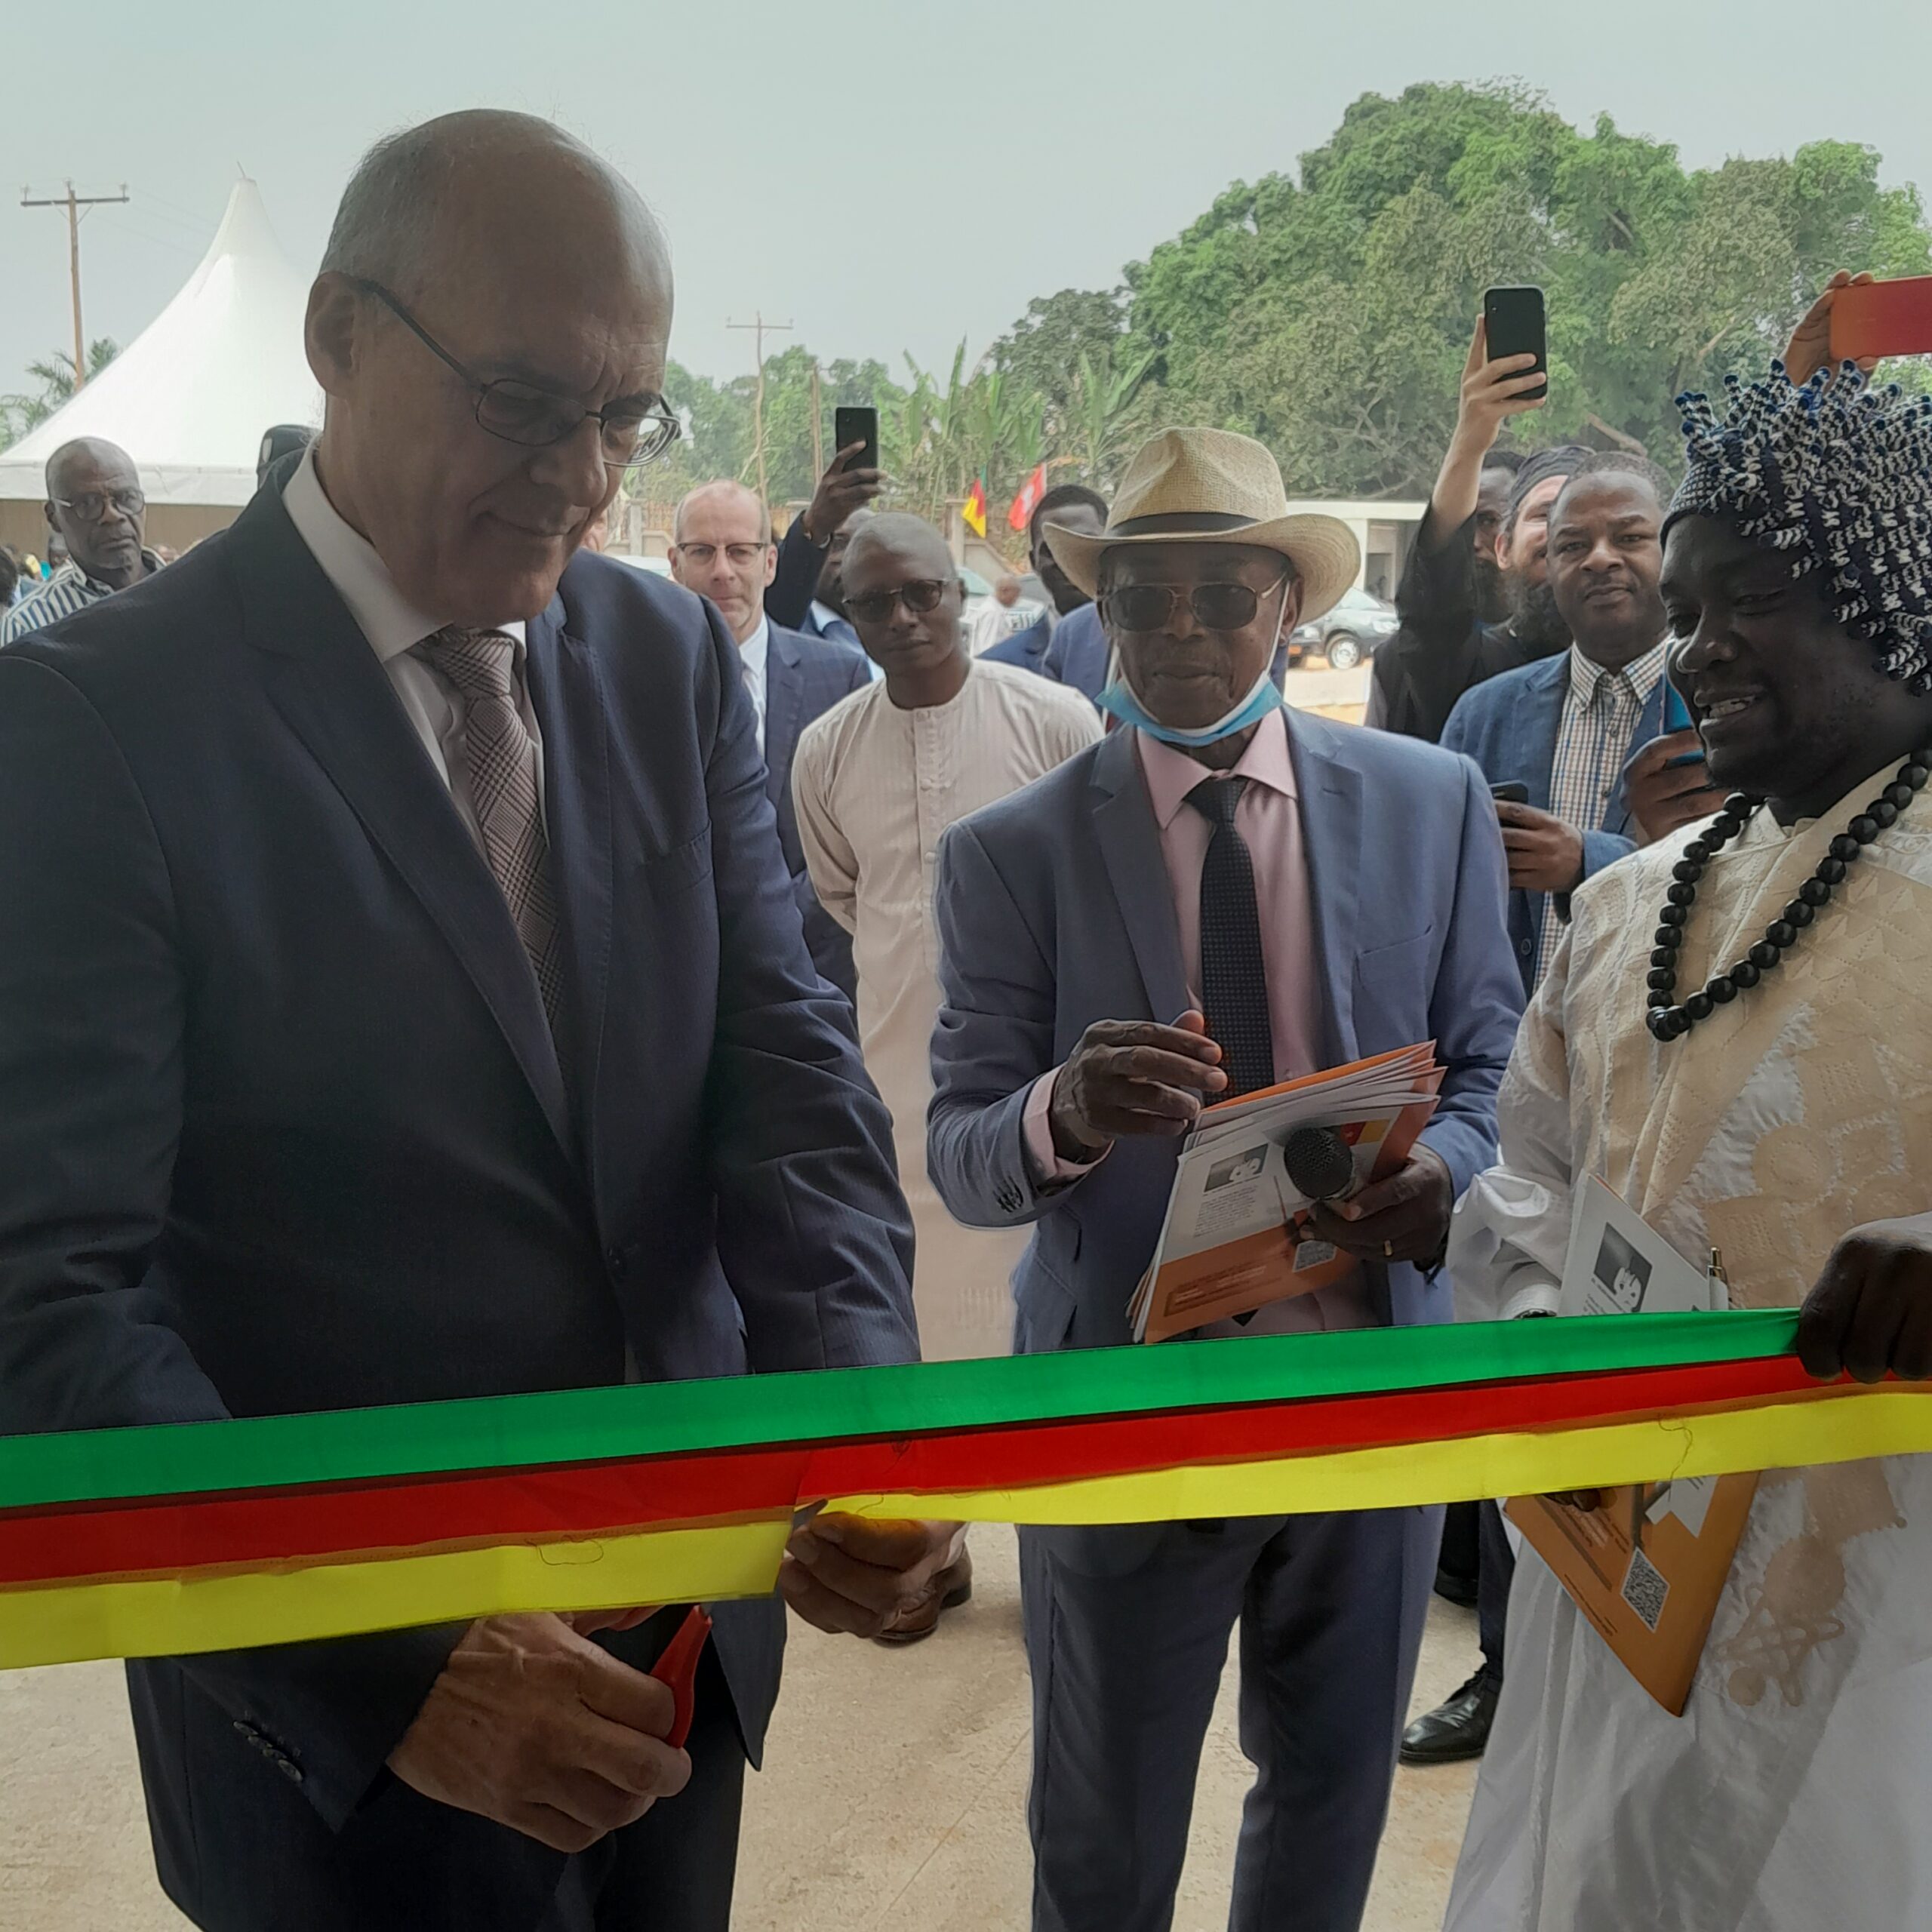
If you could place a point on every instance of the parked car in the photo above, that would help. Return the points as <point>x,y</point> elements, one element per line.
<point>1355,629</point>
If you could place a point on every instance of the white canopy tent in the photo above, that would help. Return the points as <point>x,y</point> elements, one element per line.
<point>190,396</point>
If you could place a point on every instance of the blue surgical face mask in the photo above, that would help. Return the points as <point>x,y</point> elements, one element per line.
<point>1265,696</point>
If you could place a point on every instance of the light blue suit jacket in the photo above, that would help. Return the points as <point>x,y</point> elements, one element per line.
<point>1054,911</point>
<point>1508,724</point>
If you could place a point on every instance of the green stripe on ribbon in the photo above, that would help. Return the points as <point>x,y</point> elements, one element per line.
<point>670,1418</point>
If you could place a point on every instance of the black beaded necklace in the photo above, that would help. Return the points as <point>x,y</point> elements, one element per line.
<point>1668,1021</point>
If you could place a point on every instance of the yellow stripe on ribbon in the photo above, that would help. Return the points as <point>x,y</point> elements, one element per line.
<point>1839,1424</point>
<point>176,1617</point>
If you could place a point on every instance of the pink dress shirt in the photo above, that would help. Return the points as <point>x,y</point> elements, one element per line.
<point>1269,817</point>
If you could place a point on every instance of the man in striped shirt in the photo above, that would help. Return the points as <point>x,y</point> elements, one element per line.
<point>94,501</point>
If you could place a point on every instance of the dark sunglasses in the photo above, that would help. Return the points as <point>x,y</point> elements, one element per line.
<point>1217,606</point>
<point>535,418</point>
<point>921,595</point>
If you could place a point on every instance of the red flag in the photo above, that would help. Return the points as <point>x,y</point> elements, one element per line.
<point>975,509</point>
<point>1028,500</point>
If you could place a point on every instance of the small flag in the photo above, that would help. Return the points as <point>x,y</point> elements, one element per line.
<point>1021,513</point>
<point>975,510</point>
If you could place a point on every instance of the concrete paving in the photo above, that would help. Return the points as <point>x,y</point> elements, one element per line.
<point>894,1794</point>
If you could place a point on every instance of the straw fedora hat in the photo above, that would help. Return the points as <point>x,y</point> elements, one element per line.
<point>1211,486</point>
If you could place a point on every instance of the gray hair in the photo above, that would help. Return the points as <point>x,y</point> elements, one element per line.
<point>717,484</point>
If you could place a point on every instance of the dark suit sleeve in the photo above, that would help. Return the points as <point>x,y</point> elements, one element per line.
<point>812,1229</point>
<point>92,999</point>
<point>1478,998</point>
<point>994,1039</point>
<point>788,597</point>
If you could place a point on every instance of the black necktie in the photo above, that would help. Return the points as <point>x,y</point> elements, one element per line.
<point>1234,979</point>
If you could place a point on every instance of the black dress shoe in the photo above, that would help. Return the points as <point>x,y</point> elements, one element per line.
<point>1456,1729</point>
<point>1452,1586</point>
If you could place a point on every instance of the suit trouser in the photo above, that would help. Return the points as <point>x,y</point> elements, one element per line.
<point>673,1871</point>
<point>1495,1570</point>
<point>1127,1634</point>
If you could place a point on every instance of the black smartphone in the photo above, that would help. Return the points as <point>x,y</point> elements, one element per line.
<point>1515,793</point>
<point>857,425</point>
<point>1513,321</point>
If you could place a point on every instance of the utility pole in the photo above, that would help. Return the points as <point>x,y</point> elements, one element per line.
<point>73,203</point>
<point>759,325</point>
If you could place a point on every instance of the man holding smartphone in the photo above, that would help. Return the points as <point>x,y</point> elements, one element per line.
<point>805,593</point>
<point>1449,641</point>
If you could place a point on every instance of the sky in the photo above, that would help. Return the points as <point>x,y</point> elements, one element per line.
<point>885,175</point>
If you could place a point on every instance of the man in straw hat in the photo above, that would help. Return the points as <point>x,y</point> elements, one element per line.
<point>1222,894</point>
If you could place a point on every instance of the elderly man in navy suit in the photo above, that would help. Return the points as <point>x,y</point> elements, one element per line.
<point>1220,894</point>
<point>405,999</point>
<point>721,548</point>
<point>1083,511</point>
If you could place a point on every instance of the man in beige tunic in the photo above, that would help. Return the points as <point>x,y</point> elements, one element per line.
<point>876,780</point>
<point>1737,1036</point>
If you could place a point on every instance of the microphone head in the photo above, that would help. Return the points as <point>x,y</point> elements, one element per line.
<point>1317,1161</point>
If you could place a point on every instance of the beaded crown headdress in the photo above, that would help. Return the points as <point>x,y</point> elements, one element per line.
<point>1838,475</point>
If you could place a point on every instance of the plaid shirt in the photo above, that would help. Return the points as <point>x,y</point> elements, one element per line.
<point>1600,714</point>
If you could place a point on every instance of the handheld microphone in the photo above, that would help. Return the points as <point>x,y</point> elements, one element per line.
<point>1317,1161</point>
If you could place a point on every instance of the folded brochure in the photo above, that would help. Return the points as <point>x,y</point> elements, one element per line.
<point>1647,1565</point>
<point>1234,1239</point>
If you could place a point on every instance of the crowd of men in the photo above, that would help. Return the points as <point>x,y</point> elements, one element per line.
<point>443,961</point>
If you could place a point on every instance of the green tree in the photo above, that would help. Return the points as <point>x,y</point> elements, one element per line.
<point>55,376</point>
<point>1329,313</point>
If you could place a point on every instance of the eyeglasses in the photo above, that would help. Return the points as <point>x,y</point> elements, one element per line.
<point>921,595</point>
<point>739,556</point>
<point>1217,606</point>
<point>535,418</point>
<point>92,505</point>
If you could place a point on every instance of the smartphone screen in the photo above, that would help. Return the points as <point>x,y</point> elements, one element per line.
<point>1513,322</point>
<point>1883,318</point>
<point>1676,718</point>
<point>857,425</point>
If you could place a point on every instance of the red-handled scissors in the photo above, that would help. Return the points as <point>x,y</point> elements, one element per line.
<point>678,1668</point>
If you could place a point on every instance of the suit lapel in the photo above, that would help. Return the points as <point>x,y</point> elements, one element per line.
<point>1538,723</point>
<point>1331,791</point>
<point>784,704</point>
<point>566,692</point>
<point>1130,844</point>
<point>334,694</point>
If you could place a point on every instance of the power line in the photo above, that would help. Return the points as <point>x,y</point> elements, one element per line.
<point>73,203</point>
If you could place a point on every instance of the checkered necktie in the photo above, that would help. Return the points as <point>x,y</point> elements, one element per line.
<point>502,789</point>
<point>1234,978</point>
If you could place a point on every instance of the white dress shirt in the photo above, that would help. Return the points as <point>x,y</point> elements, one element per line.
<point>752,653</point>
<point>394,627</point>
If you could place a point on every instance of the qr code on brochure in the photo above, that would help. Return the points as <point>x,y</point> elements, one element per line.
<point>1645,1589</point>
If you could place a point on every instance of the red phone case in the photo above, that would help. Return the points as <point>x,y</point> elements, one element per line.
<point>678,1668</point>
<point>1883,318</point>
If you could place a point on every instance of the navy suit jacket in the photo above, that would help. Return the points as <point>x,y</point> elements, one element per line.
<point>1078,653</point>
<point>804,677</point>
<point>1054,911</point>
<point>282,1126</point>
<point>1508,724</point>
<point>1027,648</point>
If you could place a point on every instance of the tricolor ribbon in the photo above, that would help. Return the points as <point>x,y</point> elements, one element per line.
<point>165,1540</point>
